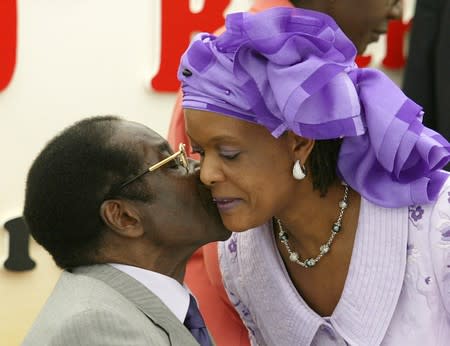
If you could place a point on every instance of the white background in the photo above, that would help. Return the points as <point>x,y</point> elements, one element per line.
<point>76,59</point>
<point>82,58</point>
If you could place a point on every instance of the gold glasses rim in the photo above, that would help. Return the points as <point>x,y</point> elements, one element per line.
<point>180,153</point>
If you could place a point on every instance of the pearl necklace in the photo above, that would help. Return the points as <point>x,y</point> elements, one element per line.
<point>324,248</point>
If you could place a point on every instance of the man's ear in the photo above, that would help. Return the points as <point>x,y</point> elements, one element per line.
<point>301,146</point>
<point>122,217</point>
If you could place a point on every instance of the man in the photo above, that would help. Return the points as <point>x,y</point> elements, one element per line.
<point>121,214</point>
<point>427,73</point>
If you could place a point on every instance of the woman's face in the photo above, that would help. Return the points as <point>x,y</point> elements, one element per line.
<point>363,21</point>
<point>247,170</point>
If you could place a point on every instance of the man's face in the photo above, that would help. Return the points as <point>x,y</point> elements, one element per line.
<point>363,21</point>
<point>181,212</point>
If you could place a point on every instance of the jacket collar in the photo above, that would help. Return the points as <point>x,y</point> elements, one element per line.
<point>144,300</point>
<point>370,294</point>
<point>376,275</point>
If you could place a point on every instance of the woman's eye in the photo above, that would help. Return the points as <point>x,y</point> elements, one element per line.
<point>226,154</point>
<point>230,155</point>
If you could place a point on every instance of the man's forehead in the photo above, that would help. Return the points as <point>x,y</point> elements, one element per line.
<point>133,130</point>
<point>152,142</point>
<point>142,138</point>
<point>164,146</point>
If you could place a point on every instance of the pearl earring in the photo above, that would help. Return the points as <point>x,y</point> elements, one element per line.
<point>298,171</point>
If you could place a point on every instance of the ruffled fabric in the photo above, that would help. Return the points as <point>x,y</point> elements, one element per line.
<point>396,161</point>
<point>294,69</point>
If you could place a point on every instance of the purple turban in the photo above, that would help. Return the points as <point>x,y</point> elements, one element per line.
<point>294,69</point>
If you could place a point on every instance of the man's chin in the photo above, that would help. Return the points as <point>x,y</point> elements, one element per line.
<point>220,231</point>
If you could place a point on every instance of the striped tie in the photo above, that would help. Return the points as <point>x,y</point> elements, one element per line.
<point>194,322</point>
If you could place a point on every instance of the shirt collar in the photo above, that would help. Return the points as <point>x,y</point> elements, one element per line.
<point>174,295</point>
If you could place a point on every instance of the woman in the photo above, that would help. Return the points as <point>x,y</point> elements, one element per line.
<point>333,177</point>
<point>363,21</point>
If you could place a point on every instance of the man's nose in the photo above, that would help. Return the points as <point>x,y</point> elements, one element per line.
<point>194,165</point>
<point>396,10</point>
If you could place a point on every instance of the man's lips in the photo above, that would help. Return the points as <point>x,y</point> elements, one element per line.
<point>226,203</point>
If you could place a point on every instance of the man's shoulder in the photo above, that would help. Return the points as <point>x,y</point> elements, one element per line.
<point>101,305</point>
<point>86,309</point>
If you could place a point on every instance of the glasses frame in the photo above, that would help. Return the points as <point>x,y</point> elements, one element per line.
<point>181,154</point>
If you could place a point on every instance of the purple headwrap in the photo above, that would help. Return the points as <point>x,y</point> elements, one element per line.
<point>294,69</point>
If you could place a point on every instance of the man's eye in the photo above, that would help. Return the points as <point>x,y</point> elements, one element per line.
<point>198,151</point>
<point>175,164</point>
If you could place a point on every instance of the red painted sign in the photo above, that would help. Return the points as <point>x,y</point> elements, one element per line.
<point>395,40</point>
<point>8,41</point>
<point>178,25</point>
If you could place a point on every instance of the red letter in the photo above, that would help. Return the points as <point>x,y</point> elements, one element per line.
<point>363,60</point>
<point>395,36</point>
<point>8,41</point>
<point>394,44</point>
<point>178,24</point>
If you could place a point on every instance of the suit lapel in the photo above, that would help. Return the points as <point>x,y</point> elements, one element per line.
<point>144,300</point>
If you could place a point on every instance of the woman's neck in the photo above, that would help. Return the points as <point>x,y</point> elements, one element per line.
<point>309,217</point>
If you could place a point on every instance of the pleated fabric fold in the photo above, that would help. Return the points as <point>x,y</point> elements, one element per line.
<point>294,69</point>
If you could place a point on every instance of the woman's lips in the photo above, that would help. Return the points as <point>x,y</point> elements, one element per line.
<point>226,204</point>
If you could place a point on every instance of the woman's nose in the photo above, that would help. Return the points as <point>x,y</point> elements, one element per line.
<point>210,172</point>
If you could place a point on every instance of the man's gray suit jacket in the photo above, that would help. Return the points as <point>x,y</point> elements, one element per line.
<point>100,305</point>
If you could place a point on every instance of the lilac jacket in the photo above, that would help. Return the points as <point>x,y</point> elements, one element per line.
<point>397,291</point>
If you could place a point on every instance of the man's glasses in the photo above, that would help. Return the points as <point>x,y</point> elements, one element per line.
<point>180,156</point>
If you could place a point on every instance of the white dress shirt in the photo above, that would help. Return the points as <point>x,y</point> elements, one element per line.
<point>174,295</point>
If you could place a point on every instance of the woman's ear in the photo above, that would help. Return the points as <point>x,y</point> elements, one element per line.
<point>122,217</point>
<point>301,146</point>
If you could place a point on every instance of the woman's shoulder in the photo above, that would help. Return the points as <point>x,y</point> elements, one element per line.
<point>444,194</point>
<point>440,216</point>
<point>439,236</point>
<point>439,210</point>
<point>431,219</point>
